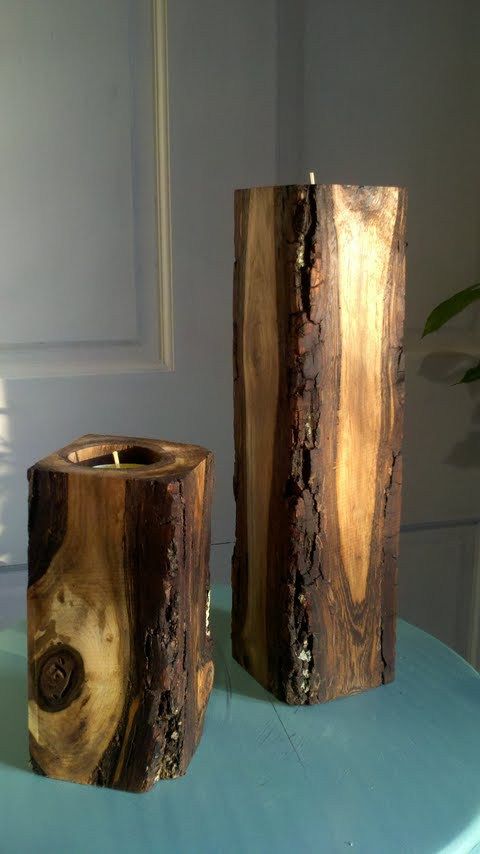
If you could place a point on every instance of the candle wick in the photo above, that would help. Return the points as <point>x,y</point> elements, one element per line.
<point>116,458</point>
<point>312,177</point>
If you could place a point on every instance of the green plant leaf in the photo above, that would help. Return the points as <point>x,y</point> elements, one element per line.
<point>471,375</point>
<point>450,307</point>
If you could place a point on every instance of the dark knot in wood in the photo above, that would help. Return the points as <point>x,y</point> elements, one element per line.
<point>60,677</point>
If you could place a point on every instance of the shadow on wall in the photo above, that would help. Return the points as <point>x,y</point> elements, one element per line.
<point>446,369</point>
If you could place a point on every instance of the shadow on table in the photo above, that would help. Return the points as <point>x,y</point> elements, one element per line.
<point>13,713</point>
<point>229,676</point>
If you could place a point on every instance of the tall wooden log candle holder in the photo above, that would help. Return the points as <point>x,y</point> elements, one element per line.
<point>318,378</point>
<point>120,666</point>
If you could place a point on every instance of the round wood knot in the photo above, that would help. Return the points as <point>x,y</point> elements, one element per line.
<point>60,677</point>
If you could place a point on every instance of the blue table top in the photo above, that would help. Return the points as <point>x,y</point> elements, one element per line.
<point>393,770</point>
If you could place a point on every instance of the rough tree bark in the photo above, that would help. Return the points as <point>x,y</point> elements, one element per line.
<point>318,392</point>
<point>120,666</point>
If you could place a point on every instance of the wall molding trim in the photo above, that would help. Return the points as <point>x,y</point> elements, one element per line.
<point>443,557</point>
<point>473,651</point>
<point>151,349</point>
<point>163,208</point>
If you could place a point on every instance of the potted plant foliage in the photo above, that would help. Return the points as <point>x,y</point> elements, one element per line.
<point>448,309</point>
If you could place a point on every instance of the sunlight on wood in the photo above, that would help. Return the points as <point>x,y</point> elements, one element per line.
<point>364,227</point>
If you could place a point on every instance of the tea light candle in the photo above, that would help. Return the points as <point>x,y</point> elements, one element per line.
<point>117,464</point>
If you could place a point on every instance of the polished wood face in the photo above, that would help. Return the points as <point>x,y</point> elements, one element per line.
<point>364,227</point>
<point>318,391</point>
<point>120,666</point>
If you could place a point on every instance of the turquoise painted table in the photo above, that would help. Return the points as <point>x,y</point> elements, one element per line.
<point>392,770</point>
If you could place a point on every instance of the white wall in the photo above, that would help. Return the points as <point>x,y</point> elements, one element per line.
<point>222,66</point>
<point>65,150</point>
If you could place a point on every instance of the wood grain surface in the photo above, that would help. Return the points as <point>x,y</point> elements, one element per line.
<point>318,392</point>
<point>120,666</point>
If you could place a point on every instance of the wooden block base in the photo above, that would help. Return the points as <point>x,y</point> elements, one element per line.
<point>120,666</point>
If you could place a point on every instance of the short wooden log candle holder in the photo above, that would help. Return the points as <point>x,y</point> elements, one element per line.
<point>318,377</point>
<point>120,666</point>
